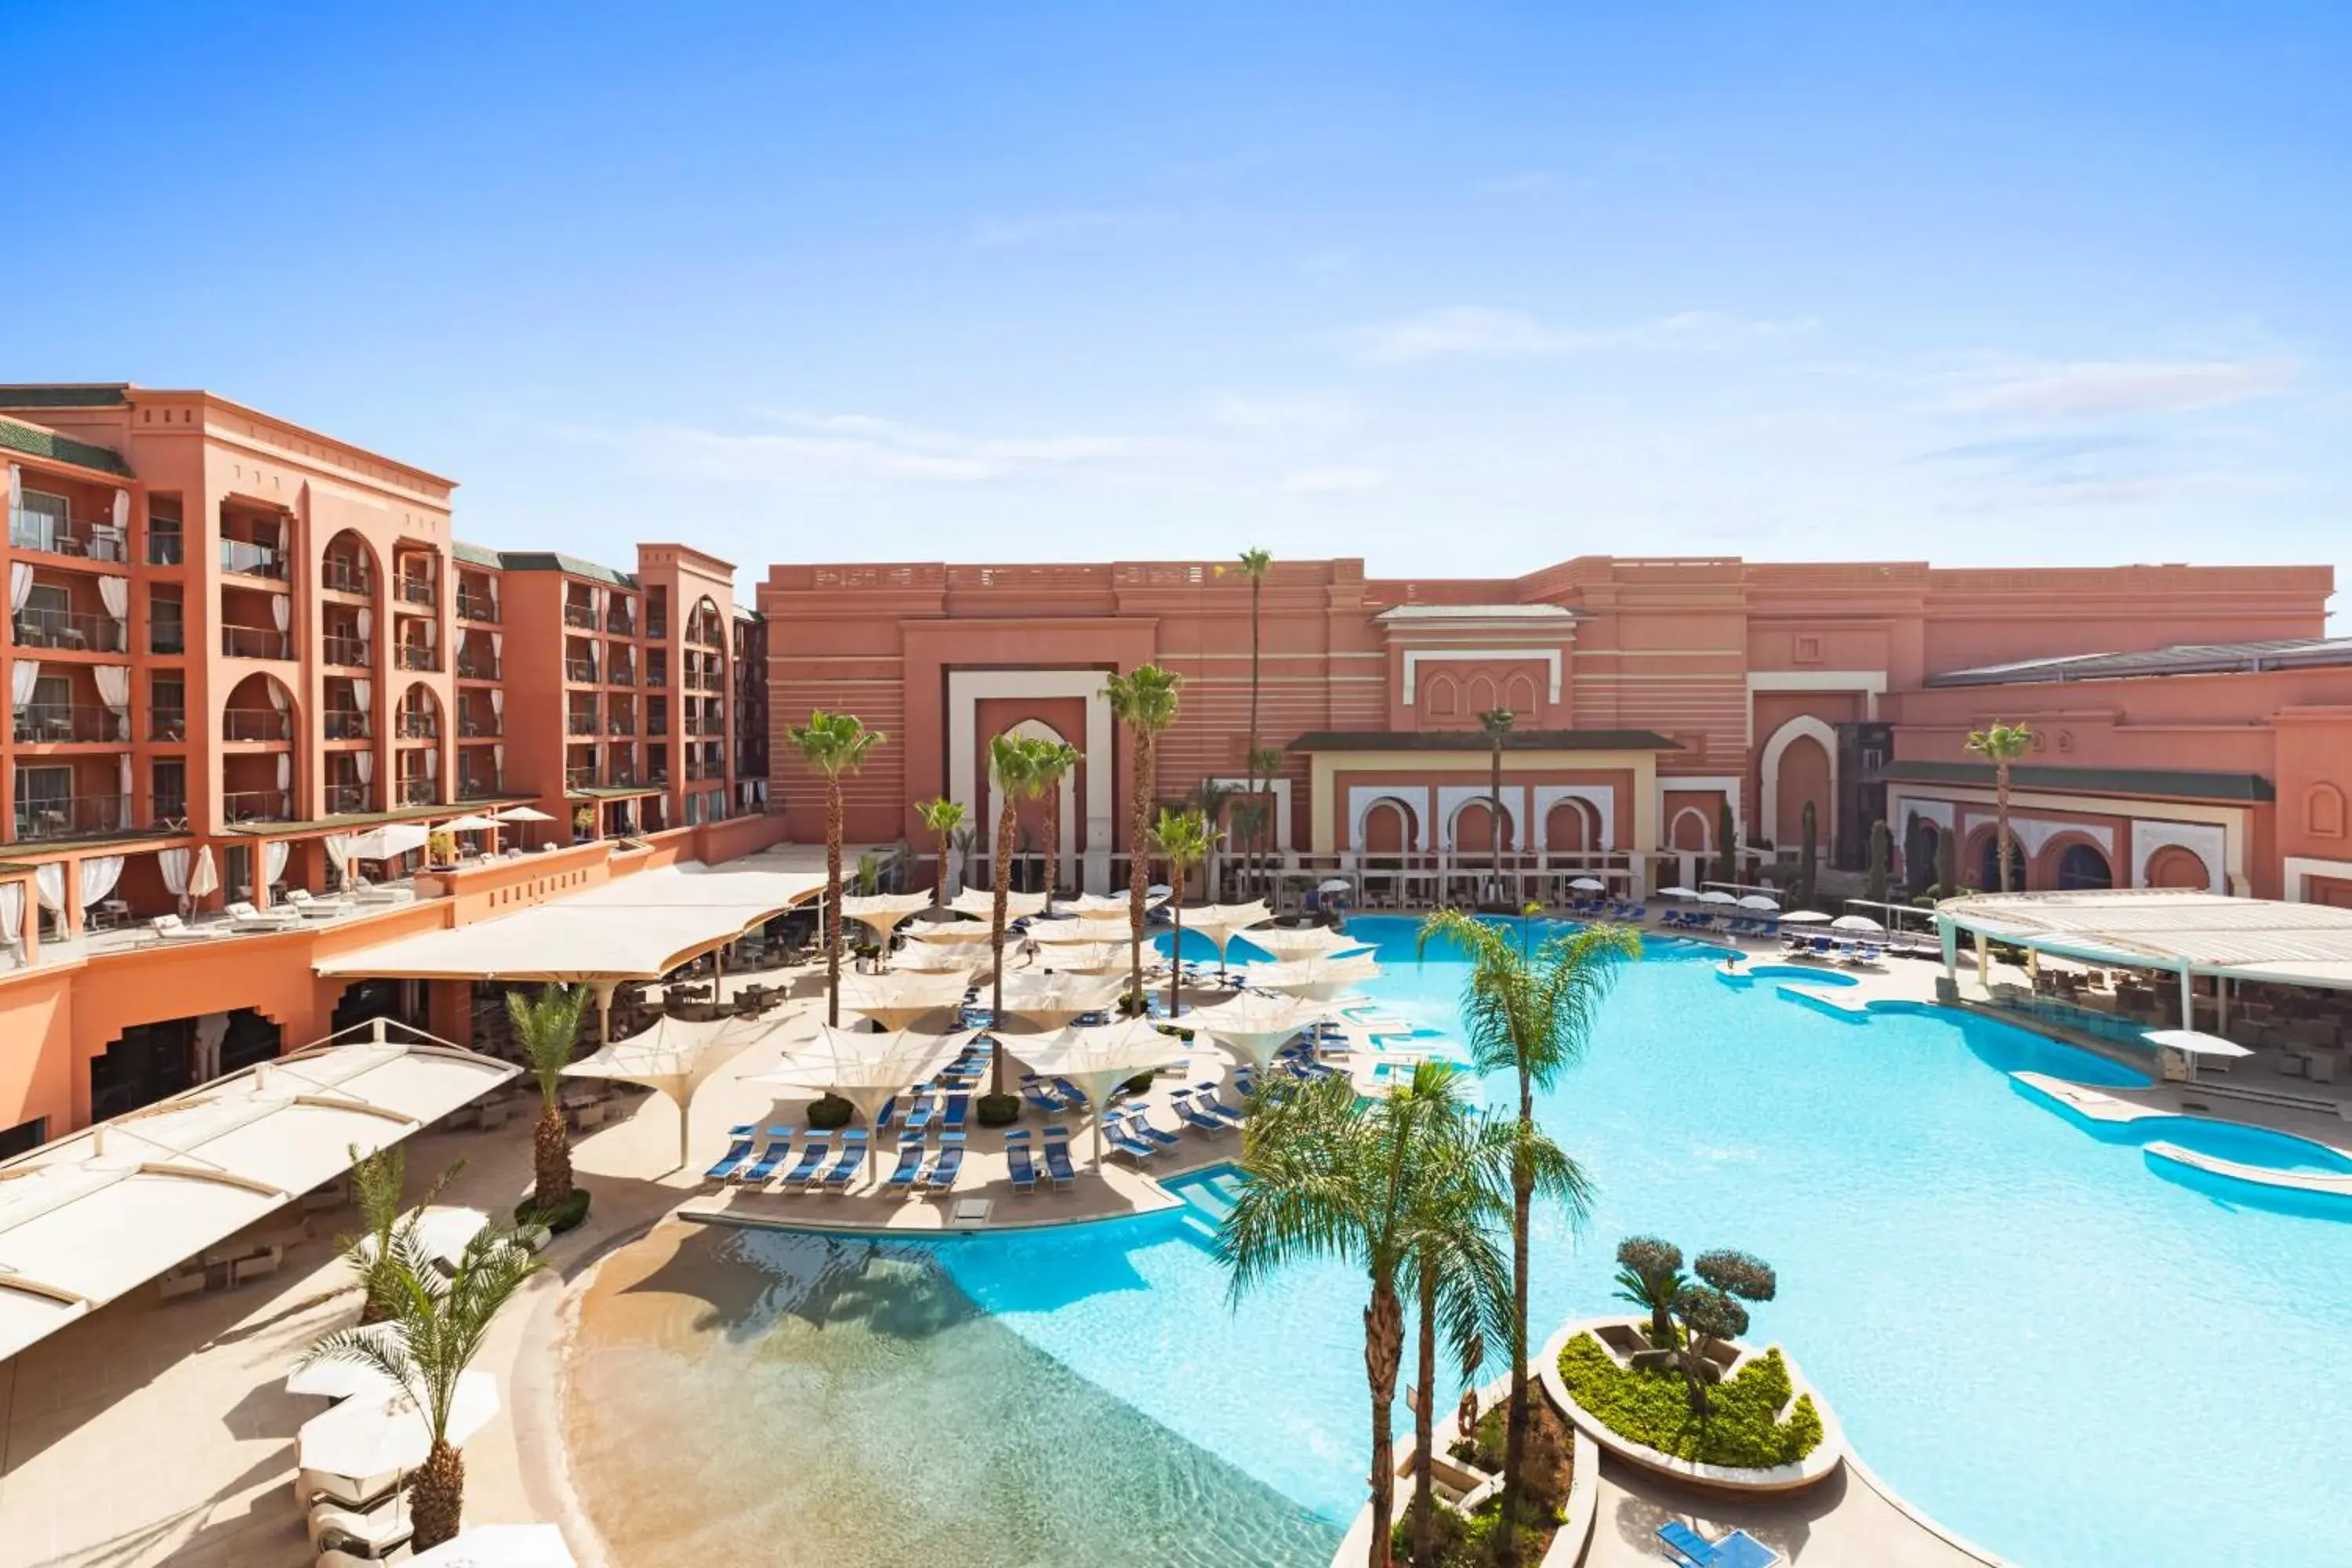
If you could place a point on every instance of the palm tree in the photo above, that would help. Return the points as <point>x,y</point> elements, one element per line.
<point>1055,760</point>
<point>2002,745</point>
<point>1014,760</point>
<point>1256,561</point>
<point>1211,798</point>
<point>1532,1015</point>
<point>1182,839</point>
<point>1498,724</point>
<point>1145,700</point>
<point>439,1329</point>
<point>546,1030</point>
<point>378,1181</point>
<point>1249,819</point>
<point>1266,764</point>
<point>833,745</point>
<point>942,816</point>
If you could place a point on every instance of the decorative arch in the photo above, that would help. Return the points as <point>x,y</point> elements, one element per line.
<point>1975,860</point>
<point>1066,822</point>
<point>2204,843</point>
<point>1702,839</point>
<point>1478,693</point>
<point>1385,825</point>
<point>419,697</point>
<point>2073,860</point>
<point>1600,800</point>
<point>1803,727</point>
<point>2322,811</point>
<point>1519,693</point>
<point>351,542</point>
<point>2177,866</point>
<point>1443,700</point>
<point>1569,825</point>
<point>1485,805</point>
<point>260,707</point>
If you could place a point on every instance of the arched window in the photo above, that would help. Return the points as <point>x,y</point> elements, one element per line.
<point>1519,695</point>
<point>1989,868</point>
<point>1444,698</point>
<point>2084,866</point>
<point>2322,811</point>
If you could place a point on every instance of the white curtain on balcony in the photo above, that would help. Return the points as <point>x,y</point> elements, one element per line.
<point>363,764</point>
<point>432,762</point>
<point>432,633</point>
<point>498,703</point>
<point>113,682</point>
<point>498,759</point>
<point>123,772</point>
<point>173,865</point>
<point>338,847</point>
<point>12,916</point>
<point>493,583</point>
<point>362,692</point>
<point>49,886</point>
<point>497,646</point>
<point>365,621</point>
<point>285,770</point>
<point>98,874</point>
<point>273,861</point>
<point>281,610</point>
<point>26,677</point>
<point>115,593</point>
<point>15,487</point>
<point>20,579</point>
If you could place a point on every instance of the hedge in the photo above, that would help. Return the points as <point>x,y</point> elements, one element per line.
<point>1652,1406</point>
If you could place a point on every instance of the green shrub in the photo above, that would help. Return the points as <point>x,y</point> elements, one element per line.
<point>998,1110</point>
<point>1473,1540</point>
<point>1140,1083</point>
<point>569,1215</point>
<point>1742,1428</point>
<point>830,1113</point>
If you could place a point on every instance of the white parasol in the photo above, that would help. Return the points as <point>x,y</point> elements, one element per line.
<point>1718,896</point>
<point>675,1056</point>
<point>501,1546</point>
<point>898,998</point>
<point>204,877</point>
<point>980,904</point>
<point>1257,1027</point>
<point>1321,979</point>
<point>1804,917</point>
<point>864,1069</point>
<point>2194,1043</point>
<point>1050,1000</point>
<point>1219,923</point>
<point>472,822</point>
<point>882,913</point>
<point>1066,933</point>
<point>1862,923</point>
<point>1678,892</point>
<point>935,958</point>
<point>1588,884</point>
<point>374,1432</point>
<point>959,933</point>
<point>1093,958</point>
<point>1108,905</point>
<point>1758,901</point>
<point>1097,1059</point>
<point>341,1379</point>
<point>522,814</point>
<point>1301,942</point>
<point>388,842</point>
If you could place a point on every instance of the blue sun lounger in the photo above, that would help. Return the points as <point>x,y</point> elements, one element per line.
<point>1140,1125</point>
<point>780,1145</point>
<point>910,1163</point>
<point>1018,1163</point>
<point>844,1167</point>
<point>745,1138</point>
<point>886,1115</point>
<point>1207,1100</point>
<point>1688,1549</point>
<point>1194,1116</point>
<point>1072,1095</point>
<point>959,1107</point>
<point>812,1155</point>
<point>1037,1094</point>
<point>1123,1141</point>
<point>920,1116</point>
<point>941,1176</point>
<point>1057,1159</point>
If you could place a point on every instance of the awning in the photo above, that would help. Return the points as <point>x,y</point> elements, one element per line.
<point>87,1219</point>
<point>980,903</point>
<point>2157,928</point>
<point>1257,1026</point>
<point>1302,942</point>
<point>1051,1000</point>
<point>899,997</point>
<point>1097,1059</point>
<point>675,1056</point>
<point>635,928</point>
<point>882,913</point>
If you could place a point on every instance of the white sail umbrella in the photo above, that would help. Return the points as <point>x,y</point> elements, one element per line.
<point>2194,1043</point>
<point>1256,1026</point>
<point>1861,923</point>
<point>980,904</point>
<point>1052,999</point>
<point>1097,1059</point>
<point>204,877</point>
<point>1283,943</point>
<point>442,1233</point>
<point>1109,906</point>
<point>675,1058</point>
<point>373,1433</point>
<point>937,958</point>
<point>1718,896</point>
<point>523,814</point>
<point>501,1546</point>
<point>472,822</point>
<point>341,1379</point>
<point>1220,922</point>
<point>1804,917</point>
<point>896,998</point>
<point>1066,933</point>
<point>388,842</point>
<point>864,1069</point>
<point>1678,892</point>
<point>1092,958</point>
<point>1318,979</point>
<point>1588,884</point>
<point>1758,901</point>
<point>957,934</point>
<point>882,913</point>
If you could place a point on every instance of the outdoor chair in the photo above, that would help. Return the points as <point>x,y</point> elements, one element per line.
<point>780,1143</point>
<point>1057,1159</point>
<point>945,1164</point>
<point>910,1163</point>
<point>172,928</point>
<point>845,1166</point>
<point>736,1152</point>
<point>1018,1164</point>
<point>1688,1549</point>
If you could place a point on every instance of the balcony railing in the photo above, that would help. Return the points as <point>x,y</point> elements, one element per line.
<point>579,615</point>
<point>411,725</point>
<point>476,606</point>
<point>346,576</point>
<point>248,559</point>
<point>621,675</point>
<point>167,636</point>
<point>349,799</point>
<point>580,724</point>
<point>657,675</point>
<point>349,651</point>
<point>656,723</point>
<point>477,666</point>
<point>696,768</point>
<point>480,786</point>
<point>257,724</point>
<point>626,728</point>
<point>165,546</point>
<point>580,670</point>
<point>167,724</point>
<point>171,809</point>
<point>345,724</point>
<point>413,657</point>
<point>58,723</point>
<point>621,625</point>
<point>91,541</point>
<point>624,778</point>
<point>255,642</point>
<point>579,778</point>
<point>470,728</point>
<point>657,626</point>
<point>80,629</point>
<point>72,816</point>
<point>414,591</point>
<point>419,792</point>
<point>257,805</point>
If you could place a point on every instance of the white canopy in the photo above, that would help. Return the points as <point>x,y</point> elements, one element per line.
<point>522,814</point>
<point>1718,896</point>
<point>1758,901</point>
<point>501,1546</point>
<point>961,933</point>
<point>1092,958</point>
<point>1318,978</point>
<point>2163,927</point>
<point>980,903</point>
<point>1218,922</point>
<point>864,1069</point>
<point>343,1379</point>
<point>632,928</point>
<point>1301,942</point>
<point>1097,1059</point>
<point>1257,1026</point>
<point>1066,933</point>
<point>675,1056</point>
<point>882,913</point>
<point>1804,917</point>
<point>1862,923</point>
<point>896,998</point>
<point>389,841</point>
<point>377,1431</point>
<point>1109,906</point>
<point>2194,1043</point>
<point>1588,884</point>
<point>935,958</point>
<point>85,1220</point>
<point>472,822</point>
<point>1052,999</point>
<point>1678,892</point>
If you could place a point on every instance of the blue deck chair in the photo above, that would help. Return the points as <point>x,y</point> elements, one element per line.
<point>1122,1141</point>
<point>1057,1159</point>
<point>911,1162</point>
<point>1072,1095</point>
<point>959,1107</point>
<point>1138,1123</point>
<point>1018,1164</point>
<point>941,1176</point>
<point>812,1158</point>
<point>920,1116</point>
<point>844,1167</point>
<point>1036,1093</point>
<point>779,1145</point>
<point>744,1137</point>
<point>886,1115</point>
<point>1194,1116</point>
<point>1689,1549</point>
<point>1208,1102</point>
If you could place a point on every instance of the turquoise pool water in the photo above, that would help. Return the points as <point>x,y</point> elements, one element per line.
<point>2023,1327</point>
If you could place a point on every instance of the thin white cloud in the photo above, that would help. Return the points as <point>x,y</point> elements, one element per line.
<point>2108,389</point>
<point>1333,481</point>
<point>1478,331</point>
<point>1304,415</point>
<point>863,447</point>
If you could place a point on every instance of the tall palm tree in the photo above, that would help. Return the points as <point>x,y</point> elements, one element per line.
<point>1532,1016</point>
<point>1249,819</point>
<point>1055,760</point>
<point>1267,766</point>
<point>833,745</point>
<point>942,816</point>
<point>1013,759</point>
<point>1256,562</point>
<point>546,1030</point>
<point>439,1329</point>
<point>1144,700</point>
<point>379,1183</point>
<point>1182,838</point>
<point>1497,722</point>
<point>2000,746</point>
<point>1212,799</point>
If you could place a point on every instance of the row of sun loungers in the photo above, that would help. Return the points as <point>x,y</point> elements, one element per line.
<point>1836,949</point>
<point>823,1164</point>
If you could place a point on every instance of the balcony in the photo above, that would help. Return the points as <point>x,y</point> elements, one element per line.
<point>419,792</point>
<point>257,724</point>
<point>349,799</point>
<point>657,626</point>
<point>413,657</point>
<point>477,666</point>
<point>419,591</point>
<point>248,559</point>
<point>51,536</point>
<point>344,724</point>
<point>167,724</point>
<point>411,725</point>
<point>477,607</point>
<point>167,636</point>
<point>255,642</point>
<point>621,675</point>
<point>656,676</point>
<point>656,723</point>
<point>75,630</point>
<point>624,778</point>
<point>621,729</point>
<point>72,816</point>
<point>580,724</point>
<point>171,809</point>
<point>165,546</point>
<point>470,728</point>
<point>579,778</point>
<point>696,768</point>
<point>68,723</point>
<point>346,575</point>
<point>257,805</point>
<point>581,670</point>
<point>620,626</point>
<point>480,786</point>
<point>581,615</point>
<point>351,652</point>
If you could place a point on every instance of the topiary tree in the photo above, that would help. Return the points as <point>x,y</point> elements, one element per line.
<point>1947,865</point>
<point>1882,849</point>
<point>1711,1309</point>
<point>1726,841</point>
<point>1808,858</point>
<point>1650,1276</point>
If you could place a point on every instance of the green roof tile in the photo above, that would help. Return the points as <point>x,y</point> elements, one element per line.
<point>2178,784</point>
<point>35,442</point>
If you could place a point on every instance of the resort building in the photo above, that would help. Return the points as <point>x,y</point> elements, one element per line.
<point>1651,699</point>
<point>234,647</point>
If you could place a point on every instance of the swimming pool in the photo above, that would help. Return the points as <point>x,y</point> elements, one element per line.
<point>2021,1326</point>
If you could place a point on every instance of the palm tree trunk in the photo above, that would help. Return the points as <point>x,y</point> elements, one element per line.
<point>437,1497</point>
<point>1383,1348</point>
<point>833,831</point>
<point>1003,869</point>
<point>1424,1426</point>
<point>1139,869</point>
<point>1495,811</point>
<point>1053,841</point>
<point>550,1158</point>
<point>1176,948</point>
<point>2000,824</point>
<point>941,891</point>
<point>1515,1426</point>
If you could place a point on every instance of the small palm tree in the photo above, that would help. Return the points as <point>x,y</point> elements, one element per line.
<point>833,745</point>
<point>2000,746</point>
<point>1532,1016</point>
<point>1249,819</point>
<point>1055,760</point>
<point>1266,766</point>
<point>1015,762</point>
<point>1145,700</point>
<point>1182,839</point>
<point>439,1329</point>
<point>546,1030</point>
<point>942,816</point>
<point>1212,799</point>
<point>1497,722</point>
<point>378,1186</point>
<point>1650,1276</point>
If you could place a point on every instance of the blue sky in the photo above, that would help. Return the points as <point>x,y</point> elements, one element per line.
<point>1456,288</point>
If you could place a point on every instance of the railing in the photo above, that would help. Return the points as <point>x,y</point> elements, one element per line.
<point>165,546</point>
<point>620,626</point>
<point>414,591</point>
<point>413,657</point>
<point>621,675</point>
<point>257,724</point>
<point>580,724</point>
<point>412,725</point>
<point>580,670</point>
<point>249,560</point>
<point>472,728</point>
<point>53,723</point>
<point>579,778</point>
<point>257,805</point>
<point>345,724</point>
<point>348,799</point>
<point>472,668</point>
<point>693,722</point>
<point>352,651</point>
<point>346,576</point>
<point>579,615</point>
<point>476,608</point>
<point>70,816</point>
<point>167,724</point>
<point>419,792</point>
<point>255,642</point>
<point>91,541</point>
<point>37,627</point>
<point>624,778</point>
<point>171,809</point>
<point>657,675</point>
<point>625,729</point>
<point>656,723</point>
<point>167,636</point>
<point>696,768</point>
<point>474,787</point>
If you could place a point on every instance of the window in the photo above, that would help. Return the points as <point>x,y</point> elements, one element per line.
<point>1808,650</point>
<point>40,523</point>
<point>2322,811</point>
<point>50,786</point>
<point>47,601</point>
<point>171,789</point>
<point>23,1137</point>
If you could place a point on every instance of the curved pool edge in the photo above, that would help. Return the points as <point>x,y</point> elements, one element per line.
<point>2319,1194</point>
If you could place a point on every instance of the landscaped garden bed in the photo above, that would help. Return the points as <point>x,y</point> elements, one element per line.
<point>1745,1426</point>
